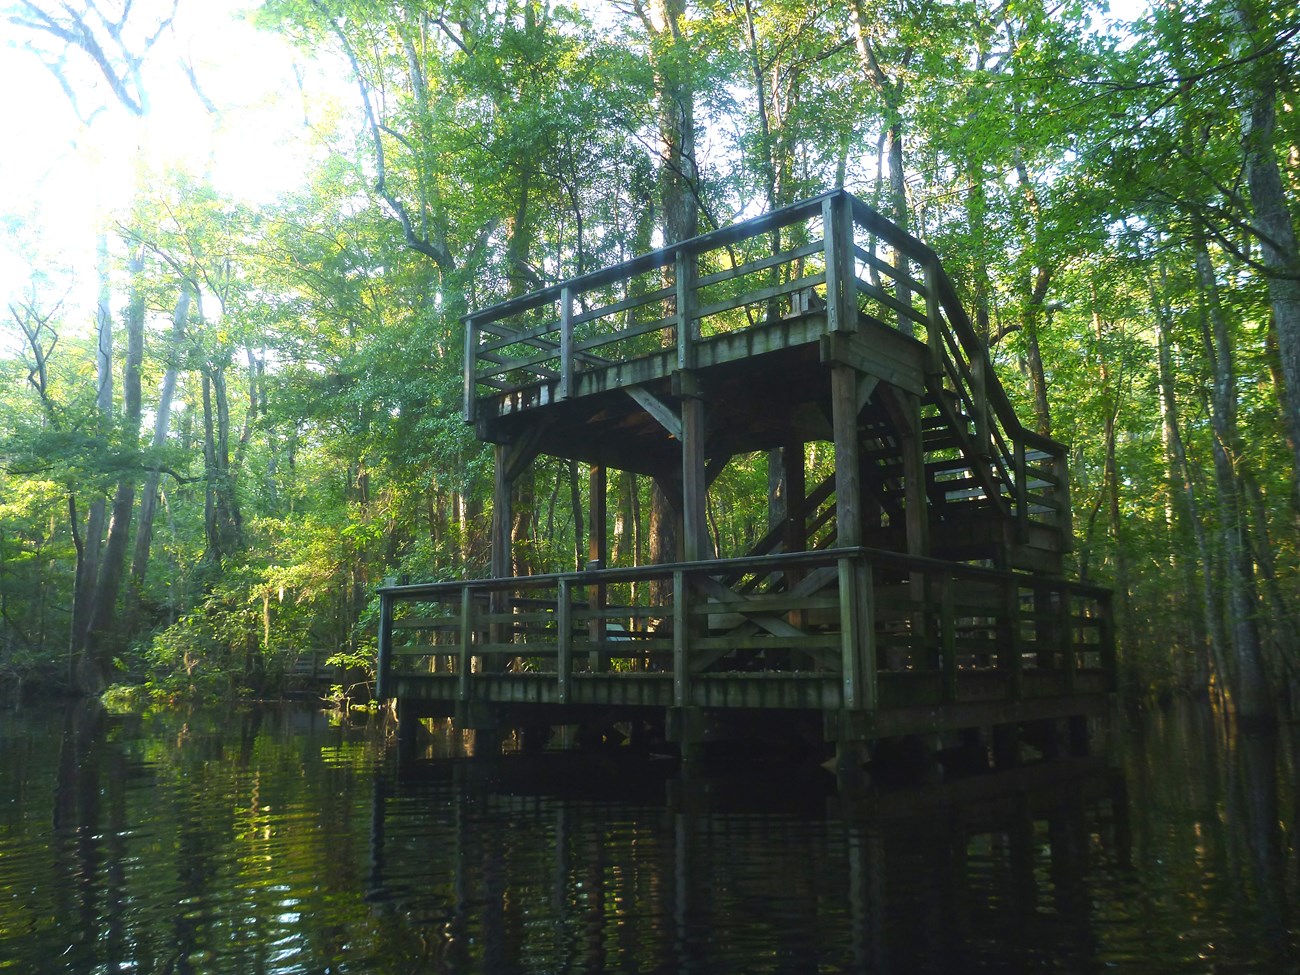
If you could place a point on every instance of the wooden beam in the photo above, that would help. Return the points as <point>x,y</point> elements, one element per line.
<point>878,354</point>
<point>848,485</point>
<point>694,485</point>
<point>502,516</point>
<point>666,416</point>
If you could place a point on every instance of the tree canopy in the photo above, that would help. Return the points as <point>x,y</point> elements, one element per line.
<point>210,458</point>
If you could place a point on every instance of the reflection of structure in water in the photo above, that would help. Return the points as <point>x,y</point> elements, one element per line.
<point>986,873</point>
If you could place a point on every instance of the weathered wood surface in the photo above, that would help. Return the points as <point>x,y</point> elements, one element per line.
<point>842,281</point>
<point>862,631</point>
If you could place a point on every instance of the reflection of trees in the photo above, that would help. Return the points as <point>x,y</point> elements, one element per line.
<point>197,845</point>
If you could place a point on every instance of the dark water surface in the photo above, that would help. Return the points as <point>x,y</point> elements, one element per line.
<point>278,841</point>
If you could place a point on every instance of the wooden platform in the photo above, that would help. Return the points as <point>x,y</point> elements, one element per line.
<point>917,587</point>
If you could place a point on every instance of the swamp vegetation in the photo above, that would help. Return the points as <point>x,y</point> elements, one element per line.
<point>237,417</point>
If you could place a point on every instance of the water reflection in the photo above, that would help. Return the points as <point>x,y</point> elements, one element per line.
<point>279,842</point>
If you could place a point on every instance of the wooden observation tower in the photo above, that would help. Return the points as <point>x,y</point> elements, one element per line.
<point>913,586</point>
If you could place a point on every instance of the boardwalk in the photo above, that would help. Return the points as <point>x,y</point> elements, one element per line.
<point>913,585</point>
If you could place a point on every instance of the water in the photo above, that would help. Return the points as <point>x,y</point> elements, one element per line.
<point>282,842</point>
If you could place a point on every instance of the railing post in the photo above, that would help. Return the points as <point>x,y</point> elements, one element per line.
<point>933,315</point>
<point>681,640</point>
<point>384,656</point>
<point>564,639</point>
<point>471,348</point>
<point>841,289</point>
<point>1061,495</point>
<point>565,389</point>
<point>466,641</point>
<point>684,268</point>
<point>1022,492</point>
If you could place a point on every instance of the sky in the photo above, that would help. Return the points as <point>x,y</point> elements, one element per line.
<point>63,179</point>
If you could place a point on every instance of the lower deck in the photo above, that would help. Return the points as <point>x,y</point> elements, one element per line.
<point>868,644</point>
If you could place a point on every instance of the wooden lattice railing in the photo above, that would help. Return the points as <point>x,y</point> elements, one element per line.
<point>848,616</point>
<point>831,259</point>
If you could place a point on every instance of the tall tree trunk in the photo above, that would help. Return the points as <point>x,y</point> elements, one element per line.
<point>101,635</point>
<point>222,521</point>
<point>1187,507</point>
<point>162,425</point>
<point>890,92</point>
<point>88,676</point>
<point>1273,220</point>
<point>1252,700</point>
<point>679,204</point>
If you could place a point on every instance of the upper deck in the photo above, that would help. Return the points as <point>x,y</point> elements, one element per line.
<point>754,316</point>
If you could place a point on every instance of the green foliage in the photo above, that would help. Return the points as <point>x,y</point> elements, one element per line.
<point>1063,171</point>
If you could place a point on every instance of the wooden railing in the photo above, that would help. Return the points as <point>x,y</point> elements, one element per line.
<point>848,616</point>
<point>831,257</point>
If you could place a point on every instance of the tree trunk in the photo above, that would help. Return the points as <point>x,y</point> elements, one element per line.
<point>1252,700</point>
<point>1187,507</point>
<point>162,425</point>
<point>1273,221</point>
<point>101,635</point>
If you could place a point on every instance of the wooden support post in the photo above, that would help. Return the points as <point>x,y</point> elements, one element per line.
<point>795,538</point>
<point>681,640</point>
<point>565,386</point>
<point>1022,493</point>
<point>1011,651</point>
<point>948,638</point>
<point>471,365</point>
<point>1046,638</point>
<point>848,484</point>
<point>598,536</point>
<point>684,270</point>
<point>795,529</point>
<point>695,531</point>
<point>933,316</point>
<point>564,639</point>
<point>859,683</point>
<point>916,501</point>
<point>502,528</point>
<point>384,661</point>
<point>598,555</point>
<point>841,283</point>
<point>1061,495</point>
<point>464,651</point>
<point>502,514</point>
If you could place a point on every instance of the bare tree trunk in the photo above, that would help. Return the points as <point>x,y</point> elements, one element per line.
<point>222,521</point>
<point>1252,698</point>
<point>678,177</point>
<point>1187,507</point>
<point>162,425</point>
<point>101,635</point>
<point>1273,220</point>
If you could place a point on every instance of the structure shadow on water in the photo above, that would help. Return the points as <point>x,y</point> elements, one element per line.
<point>563,862</point>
